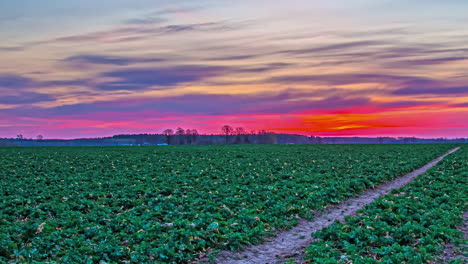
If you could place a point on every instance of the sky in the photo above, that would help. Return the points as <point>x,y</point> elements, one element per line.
<point>74,69</point>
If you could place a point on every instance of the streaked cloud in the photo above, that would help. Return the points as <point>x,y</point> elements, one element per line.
<point>328,68</point>
<point>141,78</point>
<point>25,98</point>
<point>11,48</point>
<point>14,81</point>
<point>334,47</point>
<point>462,90</point>
<point>137,32</point>
<point>343,79</point>
<point>108,60</point>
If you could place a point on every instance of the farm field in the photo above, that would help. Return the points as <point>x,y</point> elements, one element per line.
<point>410,225</point>
<point>172,204</point>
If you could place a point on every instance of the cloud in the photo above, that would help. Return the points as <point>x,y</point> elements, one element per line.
<point>234,58</point>
<point>343,79</point>
<point>77,82</point>
<point>14,81</point>
<point>18,82</point>
<point>448,50</point>
<point>424,62</point>
<point>145,21</point>
<point>263,68</point>
<point>14,90</point>
<point>17,48</point>
<point>209,105</point>
<point>107,60</point>
<point>141,78</point>
<point>160,16</point>
<point>138,32</point>
<point>431,90</point>
<point>333,47</point>
<point>406,103</point>
<point>461,105</point>
<point>377,32</point>
<point>25,98</point>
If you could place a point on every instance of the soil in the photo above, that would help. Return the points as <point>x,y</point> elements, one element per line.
<point>291,243</point>
<point>450,251</point>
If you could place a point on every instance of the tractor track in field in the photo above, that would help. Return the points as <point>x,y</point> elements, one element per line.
<point>291,243</point>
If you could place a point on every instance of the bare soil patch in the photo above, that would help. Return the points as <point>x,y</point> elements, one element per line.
<point>291,243</point>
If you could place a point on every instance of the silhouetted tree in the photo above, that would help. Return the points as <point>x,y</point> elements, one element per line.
<point>194,135</point>
<point>180,132</point>
<point>227,130</point>
<point>19,136</point>
<point>168,133</point>
<point>188,136</point>
<point>39,137</point>
<point>240,131</point>
<point>240,134</point>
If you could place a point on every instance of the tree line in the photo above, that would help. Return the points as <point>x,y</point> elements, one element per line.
<point>238,135</point>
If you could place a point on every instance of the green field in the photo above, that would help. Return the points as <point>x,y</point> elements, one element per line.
<point>171,204</point>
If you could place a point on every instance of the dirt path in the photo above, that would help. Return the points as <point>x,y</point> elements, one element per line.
<point>291,243</point>
<point>450,251</point>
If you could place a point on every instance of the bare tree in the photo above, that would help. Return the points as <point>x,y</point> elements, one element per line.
<point>19,136</point>
<point>188,136</point>
<point>194,135</point>
<point>240,134</point>
<point>180,132</point>
<point>240,131</point>
<point>168,133</point>
<point>227,130</point>
<point>39,137</point>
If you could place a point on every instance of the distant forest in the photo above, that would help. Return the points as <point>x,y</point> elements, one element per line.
<point>227,135</point>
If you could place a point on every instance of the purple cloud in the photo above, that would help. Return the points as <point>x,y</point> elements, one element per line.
<point>11,48</point>
<point>26,98</point>
<point>334,47</point>
<point>342,79</point>
<point>431,90</point>
<point>150,20</point>
<point>77,82</point>
<point>233,58</point>
<point>263,68</point>
<point>14,81</point>
<point>141,78</point>
<point>424,62</point>
<point>461,105</point>
<point>399,104</point>
<point>138,32</point>
<point>108,60</point>
<point>205,104</point>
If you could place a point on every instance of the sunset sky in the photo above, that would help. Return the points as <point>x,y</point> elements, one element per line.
<point>93,68</point>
